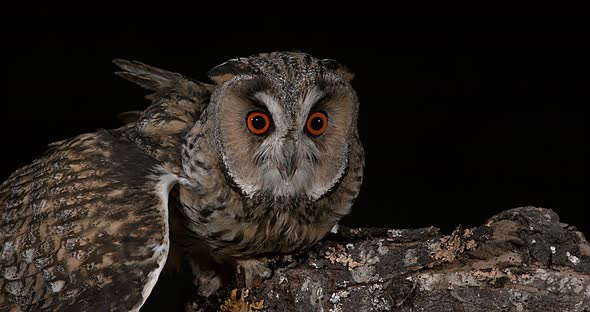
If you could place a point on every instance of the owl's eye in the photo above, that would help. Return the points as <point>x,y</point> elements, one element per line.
<point>258,122</point>
<point>316,123</point>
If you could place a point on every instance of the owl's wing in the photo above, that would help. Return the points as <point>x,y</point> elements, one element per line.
<point>85,227</point>
<point>177,104</point>
<point>158,80</point>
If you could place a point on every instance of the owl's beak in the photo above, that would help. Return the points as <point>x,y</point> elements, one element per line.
<point>288,165</point>
<point>287,169</point>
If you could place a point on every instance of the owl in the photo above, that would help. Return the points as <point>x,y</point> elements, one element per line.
<point>265,160</point>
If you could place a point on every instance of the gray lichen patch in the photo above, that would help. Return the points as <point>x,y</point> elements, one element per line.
<point>432,281</point>
<point>311,292</point>
<point>393,233</point>
<point>339,296</point>
<point>556,281</point>
<point>410,257</point>
<point>382,249</point>
<point>573,259</point>
<point>364,274</point>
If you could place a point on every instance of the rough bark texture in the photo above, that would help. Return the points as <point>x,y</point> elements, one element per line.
<point>522,259</point>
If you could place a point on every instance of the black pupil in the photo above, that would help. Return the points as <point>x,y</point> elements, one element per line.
<point>317,123</point>
<point>258,122</point>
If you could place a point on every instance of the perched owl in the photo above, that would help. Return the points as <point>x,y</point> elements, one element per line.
<point>264,161</point>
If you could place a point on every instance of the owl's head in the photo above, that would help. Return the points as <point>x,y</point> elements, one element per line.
<point>283,124</point>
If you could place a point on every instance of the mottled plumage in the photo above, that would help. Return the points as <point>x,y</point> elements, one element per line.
<point>89,225</point>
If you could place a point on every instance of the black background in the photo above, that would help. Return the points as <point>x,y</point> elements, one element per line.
<point>465,111</point>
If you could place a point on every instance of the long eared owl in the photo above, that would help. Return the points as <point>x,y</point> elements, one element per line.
<point>266,160</point>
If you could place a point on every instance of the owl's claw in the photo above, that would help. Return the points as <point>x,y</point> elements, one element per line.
<point>251,269</point>
<point>208,283</point>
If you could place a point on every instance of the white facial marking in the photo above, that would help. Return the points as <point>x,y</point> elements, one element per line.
<point>308,101</point>
<point>274,107</point>
<point>249,189</point>
<point>317,192</point>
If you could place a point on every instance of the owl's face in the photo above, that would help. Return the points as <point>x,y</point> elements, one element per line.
<point>284,124</point>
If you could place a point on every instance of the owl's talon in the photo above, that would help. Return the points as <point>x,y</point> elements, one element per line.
<point>208,283</point>
<point>251,270</point>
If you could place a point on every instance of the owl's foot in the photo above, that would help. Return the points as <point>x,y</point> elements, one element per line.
<point>251,270</point>
<point>208,283</point>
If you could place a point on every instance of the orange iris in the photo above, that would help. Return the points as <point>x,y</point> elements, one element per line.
<point>316,123</point>
<point>258,122</point>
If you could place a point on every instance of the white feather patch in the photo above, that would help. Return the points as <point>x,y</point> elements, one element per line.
<point>166,183</point>
<point>334,229</point>
<point>56,286</point>
<point>274,107</point>
<point>310,99</point>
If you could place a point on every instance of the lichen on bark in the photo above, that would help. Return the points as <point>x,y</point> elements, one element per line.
<point>523,259</point>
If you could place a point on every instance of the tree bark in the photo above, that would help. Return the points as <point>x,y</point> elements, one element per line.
<point>522,259</point>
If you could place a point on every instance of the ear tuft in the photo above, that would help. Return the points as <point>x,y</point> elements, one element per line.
<point>340,69</point>
<point>226,71</point>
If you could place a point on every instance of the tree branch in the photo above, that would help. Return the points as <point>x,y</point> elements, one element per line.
<point>522,259</point>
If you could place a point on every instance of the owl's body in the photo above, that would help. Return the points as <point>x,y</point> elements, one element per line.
<point>266,161</point>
